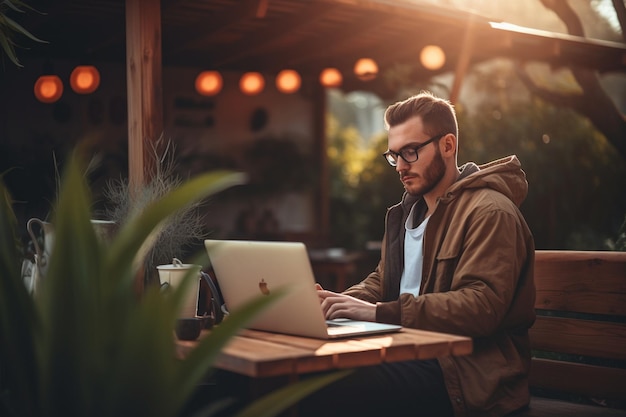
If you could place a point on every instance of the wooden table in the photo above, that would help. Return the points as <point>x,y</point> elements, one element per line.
<point>260,354</point>
<point>260,362</point>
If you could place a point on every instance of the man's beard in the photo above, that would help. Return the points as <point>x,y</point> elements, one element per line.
<point>433,175</point>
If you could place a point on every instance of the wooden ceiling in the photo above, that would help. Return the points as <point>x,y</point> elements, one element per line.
<point>307,35</point>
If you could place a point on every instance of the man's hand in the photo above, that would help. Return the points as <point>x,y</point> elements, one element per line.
<point>335,305</point>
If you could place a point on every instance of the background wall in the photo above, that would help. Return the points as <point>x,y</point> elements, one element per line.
<point>230,130</point>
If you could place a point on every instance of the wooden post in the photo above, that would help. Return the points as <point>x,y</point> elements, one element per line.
<point>145,95</point>
<point>465,55</point>
<point>144,87</point>
<point>322,219</point>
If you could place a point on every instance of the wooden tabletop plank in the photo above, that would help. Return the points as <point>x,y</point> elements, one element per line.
<point>394,347</point>
<point>342,353</point>
<point>459,345</point>
<point>255,357</point>
<point>263,354</point>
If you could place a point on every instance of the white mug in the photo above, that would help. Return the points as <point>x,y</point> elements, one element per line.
<point>173,275</point>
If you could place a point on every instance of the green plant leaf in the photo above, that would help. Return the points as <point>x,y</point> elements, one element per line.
<point>87,344</point>
<point>16,5</point>
<point>9,50</point>
<point>13,25</point>
<point>18,321</point>
<point>8,27</point>
<point>144,361</point>
<point>72,303</point>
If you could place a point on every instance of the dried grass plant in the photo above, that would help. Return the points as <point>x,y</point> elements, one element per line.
<point>181,230</point>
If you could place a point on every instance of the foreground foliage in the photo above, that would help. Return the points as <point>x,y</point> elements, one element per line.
<point>87,344</point>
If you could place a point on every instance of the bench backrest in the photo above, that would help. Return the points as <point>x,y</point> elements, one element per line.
<point>579,338</point>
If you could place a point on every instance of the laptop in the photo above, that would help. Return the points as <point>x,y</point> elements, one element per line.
<point>248,269</point>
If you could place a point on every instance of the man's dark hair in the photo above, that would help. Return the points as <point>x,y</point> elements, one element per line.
<point>438,115</point>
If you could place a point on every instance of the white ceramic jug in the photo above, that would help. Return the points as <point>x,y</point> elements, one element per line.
<point>42,254</point>
<point>104,230</point>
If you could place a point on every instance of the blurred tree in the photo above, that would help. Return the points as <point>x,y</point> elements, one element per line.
<point>362,186</point>
<point>380,187</point>
<point>590,99</point>
<point>561,122</point>
<point>576,178</point>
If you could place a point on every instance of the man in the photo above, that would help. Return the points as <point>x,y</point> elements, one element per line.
<point>457,257</point>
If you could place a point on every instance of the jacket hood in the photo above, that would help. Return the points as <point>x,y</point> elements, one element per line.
<point>504,175</point>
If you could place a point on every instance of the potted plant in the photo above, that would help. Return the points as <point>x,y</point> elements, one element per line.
<point>178,232</point>
<point>86,344</point>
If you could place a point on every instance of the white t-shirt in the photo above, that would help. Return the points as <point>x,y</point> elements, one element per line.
<point>413,255</point>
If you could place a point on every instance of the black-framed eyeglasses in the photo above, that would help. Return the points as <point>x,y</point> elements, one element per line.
<point>409,153</point>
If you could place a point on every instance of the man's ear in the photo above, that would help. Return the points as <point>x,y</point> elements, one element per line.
<point>449,144</point>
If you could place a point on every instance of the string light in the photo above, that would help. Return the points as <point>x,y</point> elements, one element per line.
<point>209,83</point>
<point>288,81</point>
<point>48,88</point>
<point>85,79</point>
<point>432,57</point>
<point>251,83</point>
<point>366,69</point>
<point>331,77</point>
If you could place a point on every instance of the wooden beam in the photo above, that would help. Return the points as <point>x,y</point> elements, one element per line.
<point>337,42</point>
<point>273,38</point>
<point>144,87</point>
<point>261,9</point>
<point>196,33</point>
<point>463,61</point>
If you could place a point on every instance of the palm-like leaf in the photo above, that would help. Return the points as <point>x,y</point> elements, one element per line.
<point>18,321</point>
<point>87,345</point>
<point>9,27</point>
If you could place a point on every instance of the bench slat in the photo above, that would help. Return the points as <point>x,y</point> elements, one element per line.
<point>544,407</point>
<point>589,380</point>
<point>581,281</point>
<point>591,302</point>
<point>591,284</point>
<point>579,337</point>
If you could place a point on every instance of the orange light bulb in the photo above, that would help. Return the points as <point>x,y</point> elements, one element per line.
<point>48,88</point>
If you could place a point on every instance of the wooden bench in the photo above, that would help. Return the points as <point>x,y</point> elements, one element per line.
<point>579,338</point>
